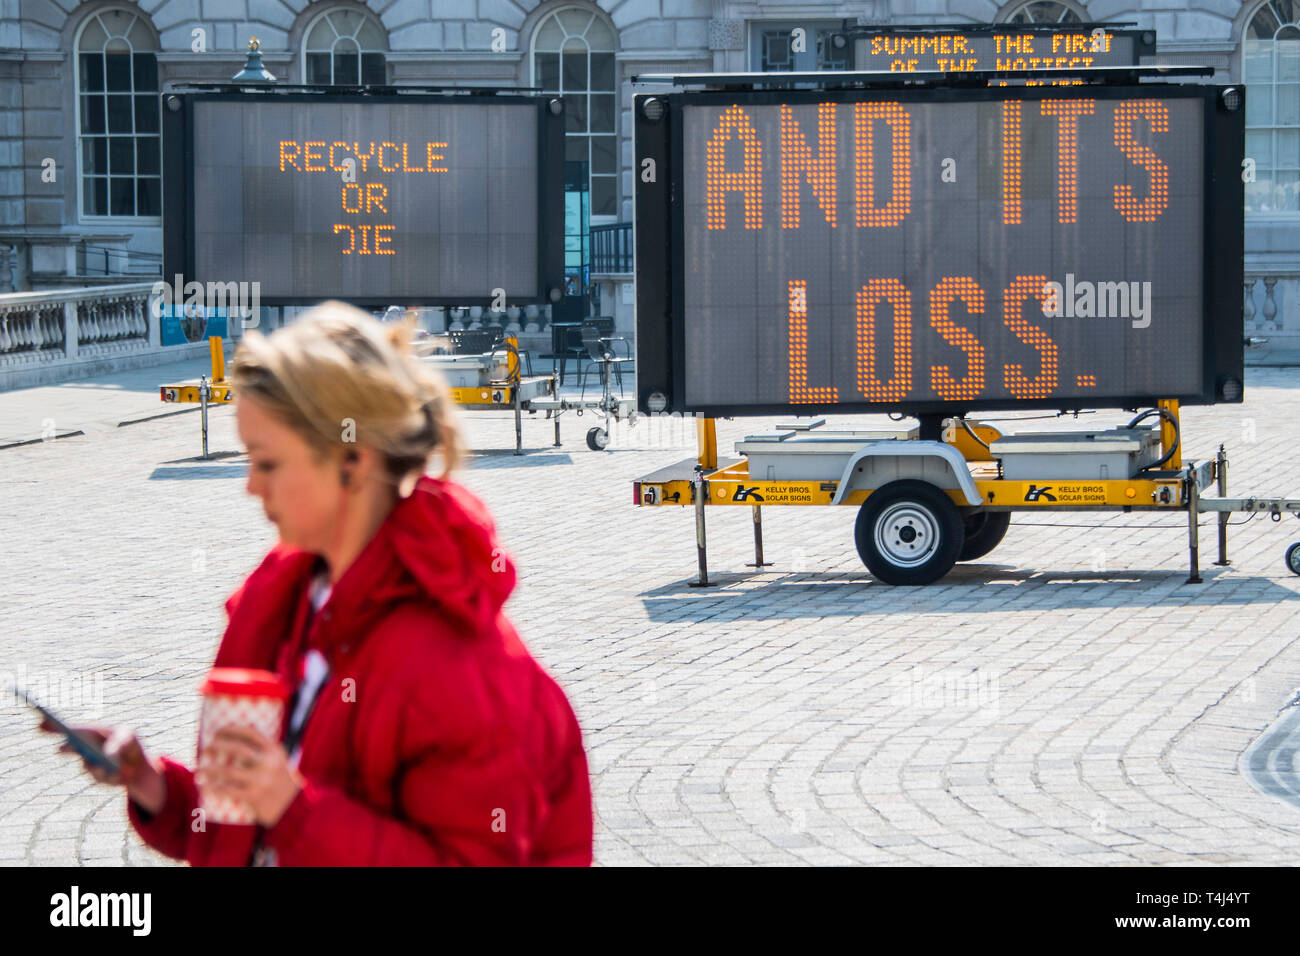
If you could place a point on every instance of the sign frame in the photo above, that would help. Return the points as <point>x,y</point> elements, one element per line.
<point>178,191</point>
<point>660,246</point>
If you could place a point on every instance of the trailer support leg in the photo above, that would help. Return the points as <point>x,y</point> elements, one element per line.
<point>203,412</point>
<point>557,430</point>
<point>701,488</point>
<point>519,422</point>
<point>758,539</point>
<point>1193,527</point>
<point>1221,468</point>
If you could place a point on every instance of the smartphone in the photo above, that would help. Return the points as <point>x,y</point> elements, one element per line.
<point>88,751</point>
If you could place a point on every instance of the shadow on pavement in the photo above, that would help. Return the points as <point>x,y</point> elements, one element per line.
<point>506,458</point>
<point>971,589</point>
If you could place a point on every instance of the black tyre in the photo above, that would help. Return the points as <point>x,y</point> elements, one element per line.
<point>597,439</point>
<point>984,532</point>
<point>909,532</point>
<point>1293,558</point>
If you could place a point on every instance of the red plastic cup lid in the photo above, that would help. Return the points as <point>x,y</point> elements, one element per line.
<point>244,682</point>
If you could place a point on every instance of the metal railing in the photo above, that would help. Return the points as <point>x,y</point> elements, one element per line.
<point>94,260</point>
<point>611,249</point>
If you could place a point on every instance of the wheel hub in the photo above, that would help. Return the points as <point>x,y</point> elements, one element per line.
<point>907,534</point>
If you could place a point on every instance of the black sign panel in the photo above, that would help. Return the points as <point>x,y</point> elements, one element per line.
<point>421,199</point>
<point>942,250</point>
<point>962,50</point>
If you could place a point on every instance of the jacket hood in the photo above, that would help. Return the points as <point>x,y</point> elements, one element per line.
<point>437,546</point>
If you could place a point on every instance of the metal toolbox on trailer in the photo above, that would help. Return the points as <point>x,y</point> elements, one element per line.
<point>1113,453</point>
<point>808,455</point>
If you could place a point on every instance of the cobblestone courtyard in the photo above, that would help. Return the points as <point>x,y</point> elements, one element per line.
<point>1068,699</point>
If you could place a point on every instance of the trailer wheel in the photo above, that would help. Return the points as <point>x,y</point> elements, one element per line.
<point>984,532</point>
<point>908,532</point>
<point>597,439</point>
<point>1293,558</point>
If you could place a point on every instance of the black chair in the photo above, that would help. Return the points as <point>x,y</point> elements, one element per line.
<point>598,341</point>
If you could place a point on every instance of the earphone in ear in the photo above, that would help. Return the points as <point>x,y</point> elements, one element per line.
<point>345,473</point>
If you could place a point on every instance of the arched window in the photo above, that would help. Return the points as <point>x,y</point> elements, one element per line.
<point>573,55</point>
<point>1271,71</point>
<point>1045,11</point>
<point>118,117</point>
<point>345,48</point>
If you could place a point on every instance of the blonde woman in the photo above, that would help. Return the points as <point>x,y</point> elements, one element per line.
<point>421,731</point>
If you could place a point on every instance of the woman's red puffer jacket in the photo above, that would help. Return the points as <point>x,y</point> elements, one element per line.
<point>436,739</point>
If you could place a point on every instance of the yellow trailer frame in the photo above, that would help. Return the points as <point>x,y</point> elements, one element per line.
<point>707,480</point>
<point>516,392</point>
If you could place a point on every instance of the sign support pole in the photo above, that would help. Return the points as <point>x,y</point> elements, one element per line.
<point>1221,472</point>
<point>700,488</point>
<point>1193,527</point>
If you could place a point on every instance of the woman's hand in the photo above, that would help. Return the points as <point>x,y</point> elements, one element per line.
<point>243,765</point>
<point>144,780</point>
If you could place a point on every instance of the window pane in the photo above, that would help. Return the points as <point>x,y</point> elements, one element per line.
<point>118,68</point>
<point>371,37</point>
<point>1288,149</point>
<point>119,114</point>
<point>121,197</point>
<point>1288,104</point>
<point>575,148</point>
<point>575,21</point>
<point>94,155</point>
<point>575,112</point>
<point>1258,62</point>
<point>94,196</point>
<point>372,69</point>
<point>146,154</point>
<point>599,36</point>
<point>1288,60</point>
<point>92,114</point>
<point>604,201</point>
<point>121,155</point>
<point>345,69</point>
<point>321,36</point>
<point>602,113</point>
<point>548,72</point>
<point>550,36</point>
<point>345,46</point>
<point>145,67</point>
<point>139,36</point>
<point>318,68</point>
<point>146,114</point>
<point>92,72</point>
<point>1259,147</point>
<point>1259,105</point>
<point>1286,9</point>
<point>1263,25</point>
<point>347,22</point>
<point>148,197</point>
<point>604,151</point>
<point>93,37</point>
<point>575,71</point>
<point>602,71</point>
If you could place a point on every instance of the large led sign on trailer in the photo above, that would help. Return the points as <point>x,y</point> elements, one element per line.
<point>411,198</point>
<point>946,249</point>
<point>955,50</point>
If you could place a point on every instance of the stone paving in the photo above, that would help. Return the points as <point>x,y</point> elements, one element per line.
<point>1065,700</point>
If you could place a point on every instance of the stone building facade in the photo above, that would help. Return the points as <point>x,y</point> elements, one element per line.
<point>79,187</point>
